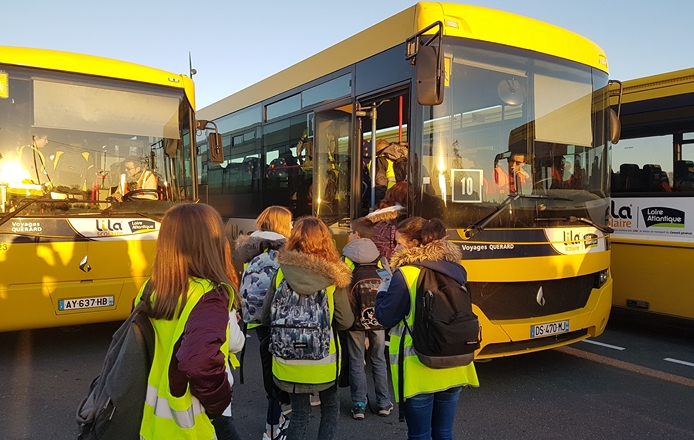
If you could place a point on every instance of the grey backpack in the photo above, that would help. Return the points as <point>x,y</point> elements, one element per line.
<point>113,408</point>
<point>300,324</point>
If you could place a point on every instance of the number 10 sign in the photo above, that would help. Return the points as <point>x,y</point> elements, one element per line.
<point>467,185</point>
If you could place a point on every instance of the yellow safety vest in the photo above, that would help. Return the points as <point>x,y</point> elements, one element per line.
<point>40,163</point>
<point>390,173</point>
<point>418,378</point>
<point>310,371</point>
<point>166,416</point>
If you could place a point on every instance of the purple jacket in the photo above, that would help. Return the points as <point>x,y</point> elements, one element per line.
<point>197,358</point>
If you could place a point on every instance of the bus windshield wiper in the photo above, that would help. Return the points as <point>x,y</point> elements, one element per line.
<point>479,226</point>
<point>573,219</point>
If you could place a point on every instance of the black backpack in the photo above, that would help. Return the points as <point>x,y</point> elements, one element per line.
<point>400,169</point>
<point>116,400</point>
<point>446,332</point>
<point>362,295</point>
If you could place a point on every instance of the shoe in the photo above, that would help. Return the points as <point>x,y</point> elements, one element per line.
<point>358,412</point>
<point>385,412</point>
<point>314,399</point>
<point>284,426</point>
<point>280,435</point>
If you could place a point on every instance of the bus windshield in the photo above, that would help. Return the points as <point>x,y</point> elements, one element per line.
<point>80,145</point>
<point>515,123</point>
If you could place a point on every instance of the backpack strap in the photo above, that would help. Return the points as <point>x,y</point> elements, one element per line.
<point>401,371</point>
<point>145,305</point>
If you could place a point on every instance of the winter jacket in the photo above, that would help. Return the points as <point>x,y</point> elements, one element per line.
<point>258,251</point>
<point>197,355</point>
<point>250,246</point>
<point>385,220</point>
<point>307,274</point>
<point>440,255</point>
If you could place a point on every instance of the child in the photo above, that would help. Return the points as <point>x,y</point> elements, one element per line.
<point>362,256</point>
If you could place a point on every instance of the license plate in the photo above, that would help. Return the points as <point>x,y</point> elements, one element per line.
<point>551,328</point>
<point>85,303</point>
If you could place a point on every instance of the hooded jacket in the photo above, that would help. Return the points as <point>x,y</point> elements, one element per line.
<point>250,246</point>
<point>388,214</point>
<point>384,221</point>
<point>439,255</point>
<point>307,274</point>
<point>362,251</point>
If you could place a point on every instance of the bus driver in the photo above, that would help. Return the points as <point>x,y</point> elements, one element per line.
<point>136,178</point>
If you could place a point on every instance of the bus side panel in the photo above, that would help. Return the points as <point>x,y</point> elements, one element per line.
<point>653,278</point>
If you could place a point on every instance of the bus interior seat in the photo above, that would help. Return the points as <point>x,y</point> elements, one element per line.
<point>684,175</point>
<point>630,174</point>
<point>655,178</point>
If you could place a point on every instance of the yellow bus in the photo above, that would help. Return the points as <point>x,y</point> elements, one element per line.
<point>92,153</point>
<point>472,94</point>
<point>652,209</point>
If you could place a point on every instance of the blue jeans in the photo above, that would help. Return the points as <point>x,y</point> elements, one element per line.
<point>301,409</point>
<point>379,367</point>
<point>430,416</point>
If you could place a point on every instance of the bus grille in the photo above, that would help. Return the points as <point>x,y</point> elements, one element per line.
<point>530,344</point>
<point>501,301</point>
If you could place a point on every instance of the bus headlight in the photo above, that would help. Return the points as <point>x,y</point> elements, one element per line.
<point>601,278</point>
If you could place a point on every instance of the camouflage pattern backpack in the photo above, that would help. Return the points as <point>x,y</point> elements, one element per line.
<point>255,281</point>
<point>300,324</point>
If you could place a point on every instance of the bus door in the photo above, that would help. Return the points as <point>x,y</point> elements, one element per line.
<point>388,116</point>
<point>332,164</point>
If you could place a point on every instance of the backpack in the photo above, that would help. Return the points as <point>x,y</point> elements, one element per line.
<point>362,295</point>
<point>299,324</point>
<point>384,238</point>
<point>445,332</point>
<point>255,280</point>
<point>400,169</point>
<point>114,405</point>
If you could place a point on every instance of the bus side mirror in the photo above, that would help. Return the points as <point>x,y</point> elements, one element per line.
<point>615,127</point>
<point>429,76</point>
<point>214,142</point>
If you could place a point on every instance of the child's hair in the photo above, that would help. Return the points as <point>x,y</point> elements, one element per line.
<point>311,236</point>
<point>363,227</point>
<point>396,194</point>
<point>184,251</point>
<point>275,219</point>
<point>422,230</point>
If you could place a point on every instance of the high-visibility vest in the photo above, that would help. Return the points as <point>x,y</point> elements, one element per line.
<point>40,162</point>
<point>418,378</point>
<point>123,185</point>
<point>390,172</point>
<point>166,416</point>
<point>310,371</point>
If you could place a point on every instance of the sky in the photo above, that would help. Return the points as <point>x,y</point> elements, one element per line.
<point>234,44</point>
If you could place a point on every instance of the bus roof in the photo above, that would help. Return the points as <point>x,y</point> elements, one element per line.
<point>464,21</point>
<point>663,85</point>
<point>96,66</point>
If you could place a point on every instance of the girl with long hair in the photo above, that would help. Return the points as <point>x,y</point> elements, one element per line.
<point>310,264</point>
<point>190,299</point>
